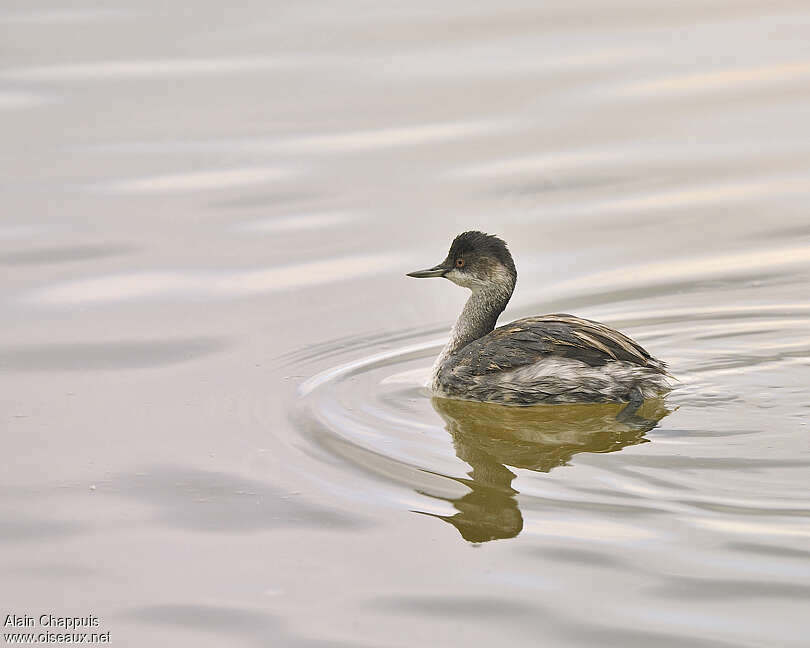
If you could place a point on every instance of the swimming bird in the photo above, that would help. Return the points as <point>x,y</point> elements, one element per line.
<point>556,358</point>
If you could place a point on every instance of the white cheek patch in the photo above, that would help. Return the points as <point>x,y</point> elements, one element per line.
<point>465,279</point>
<point>501,276</point>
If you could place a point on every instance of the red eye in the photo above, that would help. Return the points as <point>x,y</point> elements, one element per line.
<point>459,263</point>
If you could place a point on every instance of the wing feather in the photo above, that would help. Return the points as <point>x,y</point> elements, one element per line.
<point>528,340</point>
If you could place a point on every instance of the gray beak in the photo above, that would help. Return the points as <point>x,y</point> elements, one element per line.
<point>435,271</point>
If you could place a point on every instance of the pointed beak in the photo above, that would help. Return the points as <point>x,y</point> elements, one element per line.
<point>435,271</point>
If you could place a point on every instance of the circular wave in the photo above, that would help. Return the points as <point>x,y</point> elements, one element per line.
<point>482,467</point>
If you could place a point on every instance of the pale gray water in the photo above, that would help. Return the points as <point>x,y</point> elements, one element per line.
<point>212,429</point>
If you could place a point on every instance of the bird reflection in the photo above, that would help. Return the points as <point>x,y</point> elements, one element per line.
<point>490,437</point>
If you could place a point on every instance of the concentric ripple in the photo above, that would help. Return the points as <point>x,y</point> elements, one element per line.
<point>493,471</point>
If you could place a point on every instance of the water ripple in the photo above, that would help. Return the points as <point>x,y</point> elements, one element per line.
<point>148,69</point>
<point>370,410</point>
<point>209,285</point>
<point>208,180</point>
<point>96,356</point>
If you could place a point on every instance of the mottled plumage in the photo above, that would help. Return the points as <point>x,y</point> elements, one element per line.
<point>552,358</point>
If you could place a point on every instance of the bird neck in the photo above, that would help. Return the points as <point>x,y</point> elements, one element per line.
<point>478,317</point>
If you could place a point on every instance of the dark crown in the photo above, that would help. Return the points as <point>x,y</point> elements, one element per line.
<point>479,243</point>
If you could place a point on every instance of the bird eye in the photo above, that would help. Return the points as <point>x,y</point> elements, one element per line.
<point>459,262</point>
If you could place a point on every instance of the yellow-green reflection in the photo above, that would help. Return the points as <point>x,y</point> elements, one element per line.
<point>491,437</point>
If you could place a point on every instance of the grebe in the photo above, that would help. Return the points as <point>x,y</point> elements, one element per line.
<point>547,359</point>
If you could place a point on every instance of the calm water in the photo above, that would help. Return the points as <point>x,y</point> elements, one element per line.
<point>211,421</point>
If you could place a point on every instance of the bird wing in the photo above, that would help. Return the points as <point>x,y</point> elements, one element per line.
<point>525,341</point>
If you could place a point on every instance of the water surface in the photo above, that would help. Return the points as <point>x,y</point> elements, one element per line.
<point>211,359</point>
